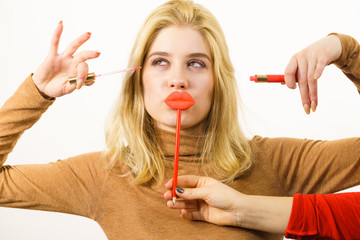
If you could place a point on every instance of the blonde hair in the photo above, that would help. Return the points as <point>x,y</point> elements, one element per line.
<point>130,136</point>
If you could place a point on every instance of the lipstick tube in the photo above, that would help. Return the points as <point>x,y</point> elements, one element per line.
<point>90,77</point>
<point>268,78</point>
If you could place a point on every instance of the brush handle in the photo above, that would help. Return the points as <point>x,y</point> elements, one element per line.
<point>92,76</point>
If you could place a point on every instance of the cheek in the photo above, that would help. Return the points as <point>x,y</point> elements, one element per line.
<point>203,101</point>
<point>152,91</point>
<point>146,89</point>
<point>207,95</point>
<point>206,102</point>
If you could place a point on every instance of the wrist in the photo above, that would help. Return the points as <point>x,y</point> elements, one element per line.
<point>37,85</point>
<point>242,207</point>
<point>269,214</point>
<point>336,47</point>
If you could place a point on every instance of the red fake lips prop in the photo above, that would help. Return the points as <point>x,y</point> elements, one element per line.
<point>179,100</point>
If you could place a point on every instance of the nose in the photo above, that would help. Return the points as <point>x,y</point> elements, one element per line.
<point>178,79</point>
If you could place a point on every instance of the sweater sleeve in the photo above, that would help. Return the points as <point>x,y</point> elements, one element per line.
<point>69,186</point>
<point>310,166</point>
<point>329,216</point>
<point>349,60</point>
<point>19,113</point>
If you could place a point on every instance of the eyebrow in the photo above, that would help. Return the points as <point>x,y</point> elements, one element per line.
<point>166,54</point>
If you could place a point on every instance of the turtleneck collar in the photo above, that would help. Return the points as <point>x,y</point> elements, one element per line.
<point>190,145</point>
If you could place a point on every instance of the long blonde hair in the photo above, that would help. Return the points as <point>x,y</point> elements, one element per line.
<point>130,135</point>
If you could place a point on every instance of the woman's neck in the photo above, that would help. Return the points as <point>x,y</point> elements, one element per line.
<point>197,129</point>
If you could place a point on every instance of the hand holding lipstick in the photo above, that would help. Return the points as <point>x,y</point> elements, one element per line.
<point>51,77</point>
<point>307,66</point>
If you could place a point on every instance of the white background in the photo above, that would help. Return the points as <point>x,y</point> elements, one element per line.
<point>262,36</point>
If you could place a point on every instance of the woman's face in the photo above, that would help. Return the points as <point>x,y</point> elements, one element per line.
<point>178,60</point>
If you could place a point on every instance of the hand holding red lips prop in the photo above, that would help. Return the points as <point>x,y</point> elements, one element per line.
<point>178,101</point>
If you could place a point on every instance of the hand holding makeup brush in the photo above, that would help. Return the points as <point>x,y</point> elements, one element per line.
<point>51,77</point>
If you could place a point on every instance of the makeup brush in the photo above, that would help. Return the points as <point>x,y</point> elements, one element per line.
<point>92,76</point>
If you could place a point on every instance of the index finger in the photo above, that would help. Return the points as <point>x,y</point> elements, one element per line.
<point>188,181</point>
<point>56,39</point>
<point>290,73</point>
<point>75,44</point>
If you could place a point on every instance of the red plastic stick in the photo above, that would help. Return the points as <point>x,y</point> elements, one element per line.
<point>176,157</point>
<point>178,101</point>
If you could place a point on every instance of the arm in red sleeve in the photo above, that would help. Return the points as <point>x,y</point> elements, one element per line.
<point>325,216</point>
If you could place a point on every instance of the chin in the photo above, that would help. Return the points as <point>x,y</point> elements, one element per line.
<point>167,121</point>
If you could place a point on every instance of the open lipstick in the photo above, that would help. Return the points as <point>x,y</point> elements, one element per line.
<point>268,78</point>
<point>92,76</point>
<point>178,101</point>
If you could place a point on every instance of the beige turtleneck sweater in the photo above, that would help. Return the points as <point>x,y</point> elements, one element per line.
<point>83,185</point>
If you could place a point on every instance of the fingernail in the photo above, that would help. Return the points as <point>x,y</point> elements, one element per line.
<point>61,22</point>
<point>307,108</point>
<point>179,189</point>
<point>78,84</point>
<point>313,106</point>
<point>98,52</point>
<point>316,76</point>
<point>89,33</point>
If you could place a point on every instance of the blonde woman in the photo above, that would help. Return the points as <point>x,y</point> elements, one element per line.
<point>181,47</point>
<point>311,216</point>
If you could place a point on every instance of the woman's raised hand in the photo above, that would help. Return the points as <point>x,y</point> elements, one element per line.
<point>307,66</point>
<point>206,199</point>
<point>51,77</point>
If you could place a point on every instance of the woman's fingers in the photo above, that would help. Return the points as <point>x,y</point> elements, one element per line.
<point>312,84</point>
<point>290,73</point>
<point>189,193</point>
<point>68,88</point>
<point>75,44</point>
<point>303,82</point>
<point>191,215</point>
<point>82,69</point>
<point>190,181</point>
<point>56,39</point>
<point>320,66</point>
<point>183,204</point>
<point>89,83</point>
<point>85,55</point>
<point>298,69</point>
<point>308,65</point>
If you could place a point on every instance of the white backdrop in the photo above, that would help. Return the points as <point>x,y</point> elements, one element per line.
<point>262,36</point>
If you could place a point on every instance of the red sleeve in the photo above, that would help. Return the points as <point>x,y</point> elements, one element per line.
<point>325,216</point>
